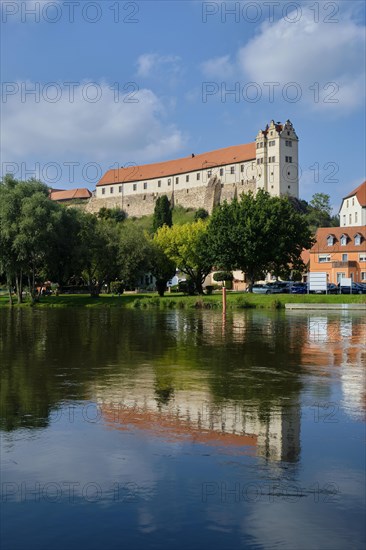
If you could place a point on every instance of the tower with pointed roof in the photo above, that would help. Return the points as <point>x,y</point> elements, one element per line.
<point>277,159</point>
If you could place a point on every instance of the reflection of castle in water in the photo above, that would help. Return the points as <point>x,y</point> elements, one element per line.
<point>190,413</point>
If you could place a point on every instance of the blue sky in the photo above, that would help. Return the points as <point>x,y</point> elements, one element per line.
<point>119,83</point>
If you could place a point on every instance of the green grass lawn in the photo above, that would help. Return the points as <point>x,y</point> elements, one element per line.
<point>151,300</point>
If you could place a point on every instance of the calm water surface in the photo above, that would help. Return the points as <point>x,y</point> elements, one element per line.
<point>125,429</point>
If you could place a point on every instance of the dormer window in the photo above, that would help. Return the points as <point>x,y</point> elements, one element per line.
<point>357,239</point>
<point>330,240</point>
<point>343,240</point>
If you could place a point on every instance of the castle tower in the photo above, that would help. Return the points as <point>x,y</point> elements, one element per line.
<point>277,160</point>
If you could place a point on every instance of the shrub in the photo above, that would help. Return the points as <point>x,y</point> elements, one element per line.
<point>117,287</point>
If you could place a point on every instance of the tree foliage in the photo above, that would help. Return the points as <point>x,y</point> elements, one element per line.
<point>162,213</point>
<point>186,246</point>
<point>257,234</point>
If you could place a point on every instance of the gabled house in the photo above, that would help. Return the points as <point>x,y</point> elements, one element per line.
<point>340,252</point>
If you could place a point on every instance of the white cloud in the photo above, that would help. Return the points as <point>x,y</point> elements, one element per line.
<point>111,129</point>
<point>218,67</point>
<point>149,63</point>
<point>306,53</point>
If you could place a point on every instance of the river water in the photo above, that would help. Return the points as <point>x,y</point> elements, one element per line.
<point>128,429</point>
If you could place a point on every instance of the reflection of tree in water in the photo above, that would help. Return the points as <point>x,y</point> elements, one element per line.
<point>52,356</point>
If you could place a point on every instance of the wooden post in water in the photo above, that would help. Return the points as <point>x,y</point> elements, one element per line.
<point>223,300</point>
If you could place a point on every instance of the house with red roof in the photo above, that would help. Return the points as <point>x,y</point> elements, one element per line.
<point>60,195</point>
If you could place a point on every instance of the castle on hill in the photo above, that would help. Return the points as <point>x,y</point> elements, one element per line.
<point>207,179</point>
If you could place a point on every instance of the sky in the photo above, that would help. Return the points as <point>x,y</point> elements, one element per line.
<point>89,86</point>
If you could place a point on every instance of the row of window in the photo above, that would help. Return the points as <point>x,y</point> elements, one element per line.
<point>353,202</point>
<point>343,240</point>
<point>272,143</point>
<point>350,218</point>
<point>323,258</point>
<point>198,177</point>
<point>343,275</point>
<point>271,159</point>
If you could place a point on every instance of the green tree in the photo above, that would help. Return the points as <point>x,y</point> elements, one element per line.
<point>98,249</point>
<point>134,254</point>
<point>162,213</point>
<point>116,214</point>
<point>29,223</point>
<point>186,246</point>
<point>161,267</point>
<point>319,212</point>
<point>257,234</point>
<point>200,214</point>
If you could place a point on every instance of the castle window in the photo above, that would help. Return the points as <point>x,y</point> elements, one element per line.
<point>187,179</point>
<point>177,180</point>
<point>271,143</point>
<point>111,190</point>
<point>343,240</point>
<point>198,176</point>
<point>258,161</point>
<point>289,186</point>
<point>209,173</point>
<point>134,186</point>
<point>159,183</point>
<point>288,143</point>
<point>242,168</point>
<point>262,160</point>
<point>103,190</point>
<point>221,171</point>
<point>258,145</point>
<point>232,170</point>
<point>169,181</point>
<point>120,189</point>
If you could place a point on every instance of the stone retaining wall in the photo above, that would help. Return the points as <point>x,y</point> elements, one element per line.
<point>206,196</point>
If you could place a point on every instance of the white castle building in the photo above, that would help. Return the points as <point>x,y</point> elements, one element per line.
<point>206,179</point>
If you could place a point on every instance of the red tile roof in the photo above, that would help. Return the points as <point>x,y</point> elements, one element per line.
<point>70,194</point>
<point>323,233</point>
<point>220,157</point>
<point>360,193</point>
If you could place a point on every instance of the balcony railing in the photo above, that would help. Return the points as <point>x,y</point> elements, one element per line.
<point>350,263</point>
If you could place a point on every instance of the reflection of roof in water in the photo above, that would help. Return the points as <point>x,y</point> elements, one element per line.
<point>171,427</point>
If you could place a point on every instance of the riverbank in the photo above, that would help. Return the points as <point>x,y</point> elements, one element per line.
<point>179,301</point>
